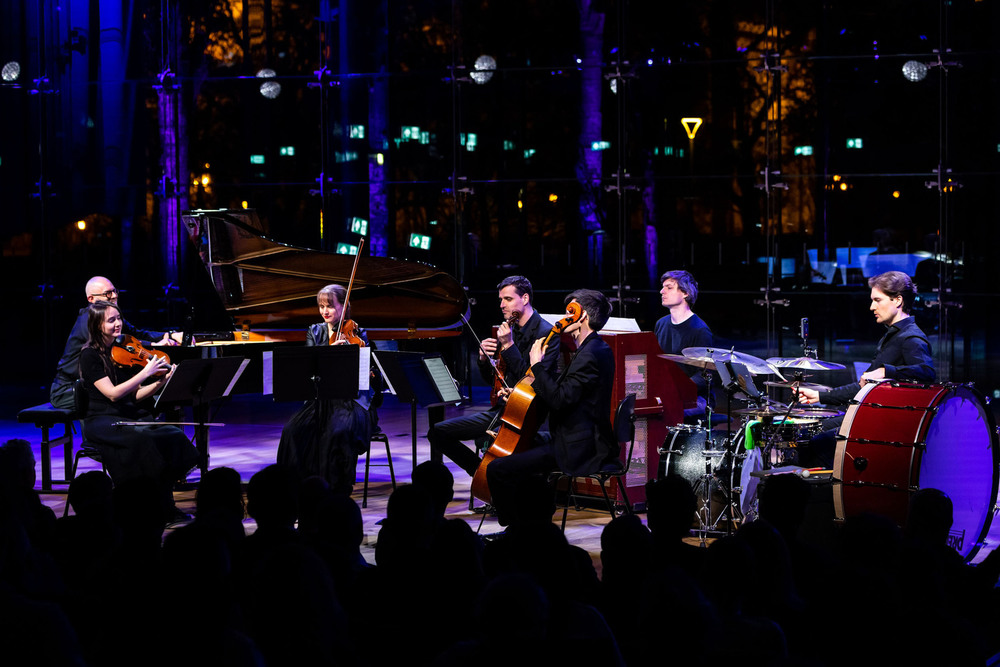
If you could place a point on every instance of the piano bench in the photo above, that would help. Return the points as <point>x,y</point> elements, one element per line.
<point>377,437</point>
<point>46,417</point>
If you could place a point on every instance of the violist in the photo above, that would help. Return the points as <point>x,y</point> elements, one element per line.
<point>325,437</point>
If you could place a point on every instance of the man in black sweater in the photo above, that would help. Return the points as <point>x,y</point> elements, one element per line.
<point>682,328</point>
<point>98,288</point>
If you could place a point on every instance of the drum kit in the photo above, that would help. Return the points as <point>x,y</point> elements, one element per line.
<point>724,467</point>
<point>896,437</point>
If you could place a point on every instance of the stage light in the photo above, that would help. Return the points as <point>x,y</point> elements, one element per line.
<point>11,71</point>
<point>269,89</point>
<point>843,187</point>
<point>484,68</point>
<point>914,70</point>
<point>81,225</point>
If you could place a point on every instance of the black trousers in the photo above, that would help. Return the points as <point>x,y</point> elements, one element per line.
<point>447,436</point>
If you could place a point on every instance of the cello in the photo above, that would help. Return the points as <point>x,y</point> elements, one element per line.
<point>520,419</point>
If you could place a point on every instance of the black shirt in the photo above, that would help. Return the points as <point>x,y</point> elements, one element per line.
<point>904,352</point>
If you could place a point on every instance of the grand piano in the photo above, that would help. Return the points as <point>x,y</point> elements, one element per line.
<point>270,287</point>
<point>265,296</point>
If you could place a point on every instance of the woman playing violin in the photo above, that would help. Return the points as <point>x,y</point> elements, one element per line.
<point>326,437</point>
<point>157,451</point>
<point>579,403</point>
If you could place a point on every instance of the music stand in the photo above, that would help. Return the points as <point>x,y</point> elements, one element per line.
<point>198,382</point>
<point>419,379</point>
<point>316,372</point>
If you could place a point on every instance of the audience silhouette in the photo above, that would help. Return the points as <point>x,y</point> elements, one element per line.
<point>103,586</point>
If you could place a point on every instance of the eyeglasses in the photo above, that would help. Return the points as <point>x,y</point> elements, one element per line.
<point>107,295</point>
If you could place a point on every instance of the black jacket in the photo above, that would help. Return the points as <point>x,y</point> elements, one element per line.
<point>904,352</point>
<point>579,402</point>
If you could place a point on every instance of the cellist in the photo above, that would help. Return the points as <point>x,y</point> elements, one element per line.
<point>514,338</point>
<point>579,409</point>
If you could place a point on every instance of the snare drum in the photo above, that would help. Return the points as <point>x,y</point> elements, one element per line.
<point>790,431</point>
<point>897,438</point>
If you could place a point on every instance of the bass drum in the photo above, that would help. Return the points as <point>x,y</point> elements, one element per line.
<point>897,438</point>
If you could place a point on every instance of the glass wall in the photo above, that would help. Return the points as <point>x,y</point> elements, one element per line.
<point>782,152</point>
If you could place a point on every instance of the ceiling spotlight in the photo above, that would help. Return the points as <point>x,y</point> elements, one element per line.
<point>269,89</point>
<point>484,68</point>
<point>914,70</point>
<point>11,71</point>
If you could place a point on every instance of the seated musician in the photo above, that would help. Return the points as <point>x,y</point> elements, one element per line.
<point>904,353</point>
<point>98,288</point>
<point>325,437</point>
<point>514,339</point>
<point>157,451</point>
<point>579,404</point>
<point>682,329</point>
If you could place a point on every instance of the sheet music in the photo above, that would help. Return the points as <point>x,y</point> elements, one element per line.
<point>385,376</point>
<point>267,361</point>
<point>236,376</point>
<point>364,368</point>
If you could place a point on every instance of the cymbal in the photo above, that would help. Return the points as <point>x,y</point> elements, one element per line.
<point>802,385</point>
<point>819,413</point>
<point>700,362</point>
<point>807,363</point>
<point>754,364</point>
<point>766,411</point>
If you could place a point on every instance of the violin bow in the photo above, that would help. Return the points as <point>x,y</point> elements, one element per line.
<point>493,362</point>
<point>350,284</point>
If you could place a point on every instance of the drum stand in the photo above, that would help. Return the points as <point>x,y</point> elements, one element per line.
<point>706,522</point>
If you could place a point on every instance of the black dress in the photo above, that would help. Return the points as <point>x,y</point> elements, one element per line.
<point>325,438</point>
<point>158,451</point>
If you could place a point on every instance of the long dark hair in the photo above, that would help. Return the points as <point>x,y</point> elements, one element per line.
<point>96,314</point>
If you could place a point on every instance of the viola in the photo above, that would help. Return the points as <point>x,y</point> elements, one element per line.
<point>129,352</point>
<point>501,366</point>
<point>520,419</point>
<point>351,332</point>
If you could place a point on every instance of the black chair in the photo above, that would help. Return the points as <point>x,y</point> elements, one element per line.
<point>624,428</point>
<point>80,404</point>
<point>379,436</point>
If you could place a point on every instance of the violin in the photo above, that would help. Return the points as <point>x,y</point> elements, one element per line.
<point>351,332</point>
<point>521,418</point>
<point>501,365</point>
<point>128,351</point>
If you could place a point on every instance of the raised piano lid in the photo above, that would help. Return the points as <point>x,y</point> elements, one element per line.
<point>273,285</point>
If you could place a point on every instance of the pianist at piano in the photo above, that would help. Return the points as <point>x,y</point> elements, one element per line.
<point>325,437</point>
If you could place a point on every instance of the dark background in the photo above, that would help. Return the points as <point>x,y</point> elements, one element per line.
<point>117,114</point>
